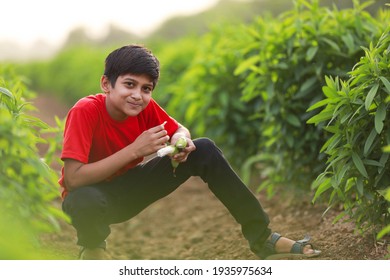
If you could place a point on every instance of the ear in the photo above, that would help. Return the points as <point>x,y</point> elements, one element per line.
<point>105,84</point>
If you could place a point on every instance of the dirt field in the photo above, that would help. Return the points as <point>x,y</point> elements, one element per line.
<point>191,224</point>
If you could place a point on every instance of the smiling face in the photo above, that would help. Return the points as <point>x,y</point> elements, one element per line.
<point>128,96</point>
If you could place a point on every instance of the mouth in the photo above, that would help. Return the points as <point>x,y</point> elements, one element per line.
<point>132,104</point>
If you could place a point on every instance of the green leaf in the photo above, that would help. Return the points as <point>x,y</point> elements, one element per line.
<point>339,217</point>
<point>383,232</point>
<point>331,142</point>
<point>373,163</point>
<point>322,116</point>
<point>293,120</point>
<point>349,41</point>
<point>311,52</point>
<point>380,116</point>
<point>383,160</point>
<point>306,88</point>
<point>359,164</point>
<point>386,83</point>
<point>319,104</point>
<point>324,186</point>
<point>371,95</point>
<point>369,141</point>
<point>246,64</point>
<point>331,43</point>
<point>359,186</point>
<point>330,92</point>
<point>6,92</point>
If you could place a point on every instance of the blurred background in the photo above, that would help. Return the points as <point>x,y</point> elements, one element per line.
<point>241,72</point>
<point>40,29</point>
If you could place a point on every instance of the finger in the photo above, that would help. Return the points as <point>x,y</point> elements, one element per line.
<point>158,127</point>
<point>162,134</point>
<point>181,157</point>
<point>189,149</point>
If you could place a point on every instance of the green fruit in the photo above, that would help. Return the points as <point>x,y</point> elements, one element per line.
<point>174,163</point>
<point>181,143</point>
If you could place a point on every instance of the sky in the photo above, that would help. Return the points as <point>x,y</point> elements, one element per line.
<point>27,21</point>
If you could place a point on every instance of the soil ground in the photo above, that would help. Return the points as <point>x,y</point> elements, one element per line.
<point>192,224</point>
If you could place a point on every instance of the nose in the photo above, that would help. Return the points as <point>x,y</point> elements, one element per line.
<point>135,94</point>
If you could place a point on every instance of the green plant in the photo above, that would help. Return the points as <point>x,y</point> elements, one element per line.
<point>27,182</point>
<point>175,59</point>
<point>206,97</point>
<point>73,73</point>
<point>356,117</point>
<point>285,63</point>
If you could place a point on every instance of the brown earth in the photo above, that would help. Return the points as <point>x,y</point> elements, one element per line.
<point>191,224</point>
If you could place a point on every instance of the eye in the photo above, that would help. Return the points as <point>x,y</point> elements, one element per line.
<point>129,84</point>
<point>147,89</point>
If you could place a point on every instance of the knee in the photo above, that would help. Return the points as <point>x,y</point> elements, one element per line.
<point>206,148</point>
<point>85,201</point>
<point>204,145</point>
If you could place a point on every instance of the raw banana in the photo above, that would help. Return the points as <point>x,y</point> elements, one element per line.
<point>172,150</point>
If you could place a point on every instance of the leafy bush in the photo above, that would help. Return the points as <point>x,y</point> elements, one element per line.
<point>206,97</point>
<point>175,59</point>
<point>74,73</point>
<point>28,185</point>
<point>285,64</point>
<point>356,115</point>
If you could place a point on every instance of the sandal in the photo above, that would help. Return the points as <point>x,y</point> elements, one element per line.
<point>268,251</point>
<point>92,253</point>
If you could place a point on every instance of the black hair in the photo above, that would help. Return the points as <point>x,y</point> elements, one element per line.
<point>131,59</point>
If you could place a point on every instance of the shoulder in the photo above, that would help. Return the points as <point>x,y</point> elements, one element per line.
<point>91,104</point>
<point>91,101</point>
<point>153,106</point>
<point>87,109</point>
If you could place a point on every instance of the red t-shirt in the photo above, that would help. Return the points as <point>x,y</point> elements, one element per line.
<point>91,134</point>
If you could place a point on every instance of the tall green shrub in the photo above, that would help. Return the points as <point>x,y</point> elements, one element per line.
<point>28,185</point>
<point>175,59</point>
<point>356,116</point>
<point>285,64</point>
<point>73,73</point>
<point>206,97</point>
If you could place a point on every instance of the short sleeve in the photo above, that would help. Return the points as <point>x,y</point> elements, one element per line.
<point>156,115</point>
<point>78,134</point>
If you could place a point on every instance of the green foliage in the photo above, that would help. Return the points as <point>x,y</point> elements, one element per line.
<point>206,97</point>
<point>74,73</point>
<point>175,60</point>
<point>386,230</point>
<point>27,182</point>
<point>248,87</point>
<point>285,63</point>
<point>358,170</point>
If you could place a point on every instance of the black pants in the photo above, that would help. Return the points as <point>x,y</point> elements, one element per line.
<point>93,208</point>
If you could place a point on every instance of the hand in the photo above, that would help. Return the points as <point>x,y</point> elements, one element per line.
<point>183,154</point>
<point>150,141</point>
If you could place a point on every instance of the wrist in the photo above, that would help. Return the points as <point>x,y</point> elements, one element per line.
<point>133,153</point>
<point>179,134</point>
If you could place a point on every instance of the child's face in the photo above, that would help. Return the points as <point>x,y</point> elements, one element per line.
<point>131,95</point>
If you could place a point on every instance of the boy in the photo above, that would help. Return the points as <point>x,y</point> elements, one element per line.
<point>105,181</point>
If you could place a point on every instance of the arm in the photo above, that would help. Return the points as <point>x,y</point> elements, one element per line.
<point>77,174</point>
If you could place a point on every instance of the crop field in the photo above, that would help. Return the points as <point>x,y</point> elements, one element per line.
<point>298,102</point>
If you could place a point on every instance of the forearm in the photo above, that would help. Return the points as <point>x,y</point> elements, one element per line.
<point>182,131</point>
<point>78,174</point>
